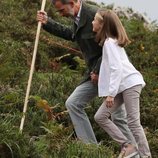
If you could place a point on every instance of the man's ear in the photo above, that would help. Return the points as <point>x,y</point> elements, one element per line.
<point>72,3</point>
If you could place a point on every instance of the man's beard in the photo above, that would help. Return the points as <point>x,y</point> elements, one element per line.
<point>71,13</point>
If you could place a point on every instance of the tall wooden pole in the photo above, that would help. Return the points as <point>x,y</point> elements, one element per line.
<point>32,69</point>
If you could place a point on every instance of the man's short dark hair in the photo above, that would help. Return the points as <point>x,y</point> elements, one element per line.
<point>62,1</point>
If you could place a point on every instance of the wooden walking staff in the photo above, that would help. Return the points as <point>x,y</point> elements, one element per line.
<point>32,68</point>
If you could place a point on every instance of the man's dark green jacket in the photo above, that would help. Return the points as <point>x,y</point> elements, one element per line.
<point>83,35</point>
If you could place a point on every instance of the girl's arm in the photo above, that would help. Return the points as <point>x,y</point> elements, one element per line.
<point>115,66</point>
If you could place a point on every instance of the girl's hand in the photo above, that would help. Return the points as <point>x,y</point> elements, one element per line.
<point>109,101</point>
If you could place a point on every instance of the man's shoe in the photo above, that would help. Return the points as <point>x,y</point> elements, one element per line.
<point>128,151</point>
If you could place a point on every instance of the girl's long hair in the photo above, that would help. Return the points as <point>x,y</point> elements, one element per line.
<point>111,27</point>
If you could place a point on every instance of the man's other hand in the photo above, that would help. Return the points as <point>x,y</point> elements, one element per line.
<point>94,77</point>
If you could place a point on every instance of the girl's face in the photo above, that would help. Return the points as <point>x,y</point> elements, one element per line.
<point>97,25</point>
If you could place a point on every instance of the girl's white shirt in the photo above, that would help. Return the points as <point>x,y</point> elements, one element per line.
<point>116,71</point>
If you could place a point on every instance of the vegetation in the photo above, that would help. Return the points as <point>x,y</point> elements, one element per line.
<point>49,133</point>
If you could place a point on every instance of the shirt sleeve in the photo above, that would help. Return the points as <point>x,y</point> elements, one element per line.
<point>115,66</point>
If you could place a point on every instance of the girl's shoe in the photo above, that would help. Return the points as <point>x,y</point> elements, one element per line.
<point>128,151</point>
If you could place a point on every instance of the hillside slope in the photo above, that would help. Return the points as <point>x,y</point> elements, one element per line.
<point>52,83</point>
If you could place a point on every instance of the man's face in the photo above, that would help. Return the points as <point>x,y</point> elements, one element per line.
<point>66,10</point>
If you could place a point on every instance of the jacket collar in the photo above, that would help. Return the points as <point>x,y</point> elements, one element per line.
<point>83,18</point>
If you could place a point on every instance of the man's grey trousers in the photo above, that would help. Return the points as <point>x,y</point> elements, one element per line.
<point>76,103</point>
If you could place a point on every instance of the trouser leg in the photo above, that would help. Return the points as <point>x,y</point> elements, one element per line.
<point>119,117</point>
<point>131,98</point>
<point>102,118</point>
<point>76,104</point>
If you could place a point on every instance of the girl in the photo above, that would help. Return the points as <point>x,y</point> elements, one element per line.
<point>118,82</point>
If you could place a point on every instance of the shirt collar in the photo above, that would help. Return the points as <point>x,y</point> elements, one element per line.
<point>77,19</point>
<point>79,13</point>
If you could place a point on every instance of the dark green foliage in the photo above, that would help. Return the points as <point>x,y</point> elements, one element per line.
<point>12,142</point>
<point>54,81</point>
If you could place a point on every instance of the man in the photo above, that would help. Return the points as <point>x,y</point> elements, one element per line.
<point>82,33</point>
